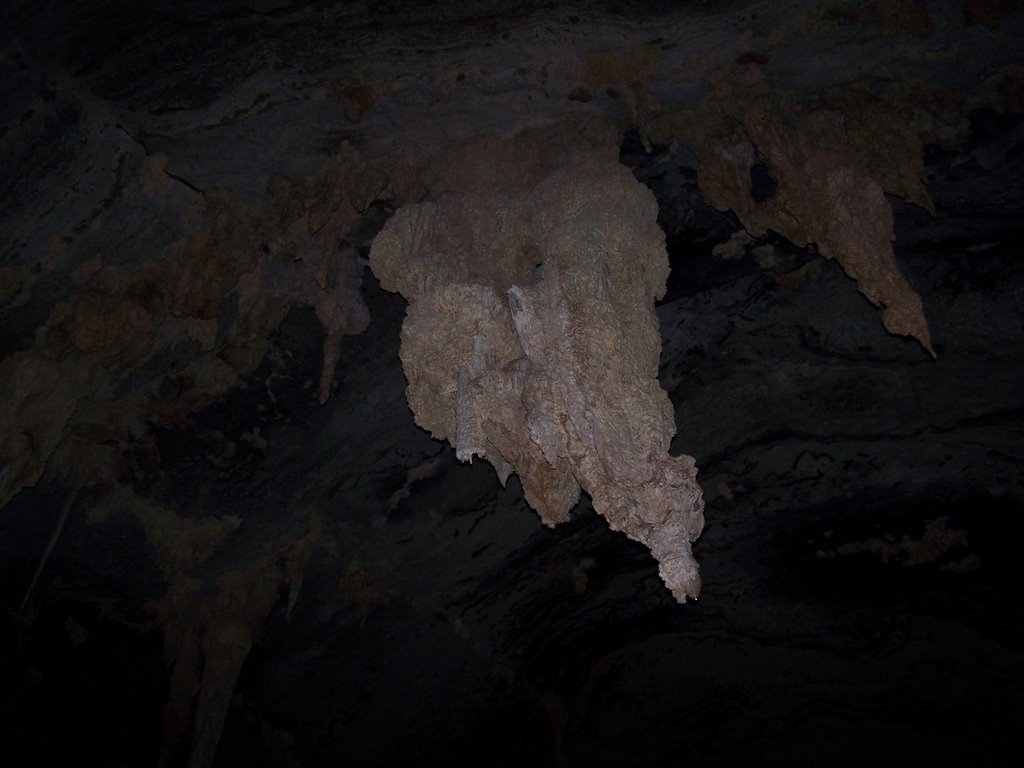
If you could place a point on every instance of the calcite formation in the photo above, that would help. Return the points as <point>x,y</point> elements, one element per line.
<point>210,624</point>
<point>828,173</point>
<point>531,341</point>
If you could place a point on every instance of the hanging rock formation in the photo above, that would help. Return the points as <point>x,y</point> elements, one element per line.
<point>138,345</point>
<point>531,341</point>
<point>826,167</point>
<point>216,512</point>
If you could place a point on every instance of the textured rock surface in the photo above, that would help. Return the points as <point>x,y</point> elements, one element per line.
<point>531,341</point>
<point>823,170</point>
<point>194,544</point>
<point>144,344</point>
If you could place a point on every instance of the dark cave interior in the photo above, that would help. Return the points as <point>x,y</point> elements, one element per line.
<point>342,587</point>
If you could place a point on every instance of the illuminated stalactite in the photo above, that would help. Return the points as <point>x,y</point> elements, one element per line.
<point>531,341</point>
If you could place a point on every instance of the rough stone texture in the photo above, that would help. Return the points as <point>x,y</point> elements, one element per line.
<point>827,168</point>
<point>189,193</point>
<point>149,343</point>
<point>210,624</point>
<point>531,341</point>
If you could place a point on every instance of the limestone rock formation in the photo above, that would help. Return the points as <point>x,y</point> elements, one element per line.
<point>97,372</point>
<point>824,175</point>
<point>531,341</point>
<point>217,511</point>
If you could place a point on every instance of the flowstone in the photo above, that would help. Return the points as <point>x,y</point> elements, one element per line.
<point>531,341</point>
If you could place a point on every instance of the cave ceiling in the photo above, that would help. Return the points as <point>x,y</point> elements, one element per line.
<point>383,383</point>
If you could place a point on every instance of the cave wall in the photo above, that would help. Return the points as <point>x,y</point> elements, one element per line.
<point>205,430</point>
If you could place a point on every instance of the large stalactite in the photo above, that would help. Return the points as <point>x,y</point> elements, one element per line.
<point>531,340</point>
